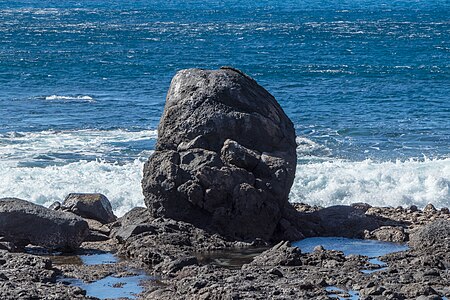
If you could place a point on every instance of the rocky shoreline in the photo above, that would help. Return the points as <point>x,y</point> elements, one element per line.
<point>171,251</point>
<point>217,186</point>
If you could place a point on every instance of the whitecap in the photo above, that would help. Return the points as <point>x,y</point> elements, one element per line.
<point>389,183</point>
<point>120,183</point>
<point>69,98</point>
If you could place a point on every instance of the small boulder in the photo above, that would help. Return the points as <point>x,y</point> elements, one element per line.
<point>388,234</point>
<point>23,223</point>
<point>91,206</point>
<point>282,254</point>
<point>433,234</point>
<point>429,208</point>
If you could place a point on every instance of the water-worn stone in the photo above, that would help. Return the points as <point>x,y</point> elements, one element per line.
<point>23,223</point>
<point>225,157</point>
<point>91,206</point>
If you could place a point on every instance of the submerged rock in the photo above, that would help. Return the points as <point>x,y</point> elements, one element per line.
<point>23,223</point>
<point>225,157</point>
<point>91,206</point>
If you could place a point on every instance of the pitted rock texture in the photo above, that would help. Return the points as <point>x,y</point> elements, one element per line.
<point>23,223</point>
<point>92,206</point>
<point>225,157</point>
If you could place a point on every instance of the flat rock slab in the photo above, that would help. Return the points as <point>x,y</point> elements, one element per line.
<point>23,223</point>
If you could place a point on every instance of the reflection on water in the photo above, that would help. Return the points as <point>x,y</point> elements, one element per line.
<point>111,287</point>
<point>233,259</point>
<point>370,248</point>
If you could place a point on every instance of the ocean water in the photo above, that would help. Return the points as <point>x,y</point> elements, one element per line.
<point>366,83</point>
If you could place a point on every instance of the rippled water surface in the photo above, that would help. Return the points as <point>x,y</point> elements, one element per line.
<point>365,82</point>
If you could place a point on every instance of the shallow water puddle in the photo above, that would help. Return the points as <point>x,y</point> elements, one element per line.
<point>335,292</point>
<point>111,287</point>
<point>98,259</point>
<point>371,248</point>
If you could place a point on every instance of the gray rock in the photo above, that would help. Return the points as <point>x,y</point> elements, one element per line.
<point>225,157</point>
<point>433,234</point>
<point>388,234</point>
<point>282,254</point>
<point>429,208</point>
<point>23,223</point>
<point>24,276</point>
<point>346,221</point>
<point>92,206</point>
<point>122,234</point>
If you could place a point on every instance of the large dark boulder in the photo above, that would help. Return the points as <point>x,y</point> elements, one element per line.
<point>225,157</point>
<point>23,223</point>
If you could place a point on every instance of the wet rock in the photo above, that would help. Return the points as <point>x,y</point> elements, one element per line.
<point>23,223</point>
<point>25,276</point>
<point>123,233</point>
<point>55,206</point>
<point>429,208</point>
<point>173,266</point>
<point>413,208</point>
<point>91,206</point>
<point>225,157</point>
<point>345,221</point>
<point>388,234</point>
<point>282,254</point>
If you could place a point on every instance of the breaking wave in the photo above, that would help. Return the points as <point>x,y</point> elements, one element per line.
<point>45,166</point>
<point>390,183</point>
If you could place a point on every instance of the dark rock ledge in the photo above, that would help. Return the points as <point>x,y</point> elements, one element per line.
<point>217,186</point>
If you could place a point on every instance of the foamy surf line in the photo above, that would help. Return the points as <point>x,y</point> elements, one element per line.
<point>120,183</point>
<point>398,183</point>
<point>26,146</point>
<point>322,180</point>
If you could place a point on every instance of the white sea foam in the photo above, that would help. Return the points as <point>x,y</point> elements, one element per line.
<point>120,183</point>
<point>337,181</point>
<point>23,147</point>
<point>69,98</point>
<point>23,177</point>
<point>320,179</point>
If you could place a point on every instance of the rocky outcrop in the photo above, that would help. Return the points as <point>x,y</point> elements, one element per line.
<point>23,223</point>
<point>90,206</point>
<point>225,157</point>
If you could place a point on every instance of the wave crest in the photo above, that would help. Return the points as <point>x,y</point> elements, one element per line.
<point>392,183</point>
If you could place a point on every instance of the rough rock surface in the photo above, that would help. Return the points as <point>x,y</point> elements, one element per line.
<point>436,233</point>
<point>225,157</point>
<point>91,206</point>
<point>24,276</point>
<point>23,223</point>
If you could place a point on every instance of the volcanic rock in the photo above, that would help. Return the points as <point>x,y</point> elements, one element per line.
<point>91,206</point>
<point>433,234</point>
<point>23,223</point>
<point>225,157</point>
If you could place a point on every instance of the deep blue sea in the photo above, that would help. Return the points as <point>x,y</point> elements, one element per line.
<point>366,82</point>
